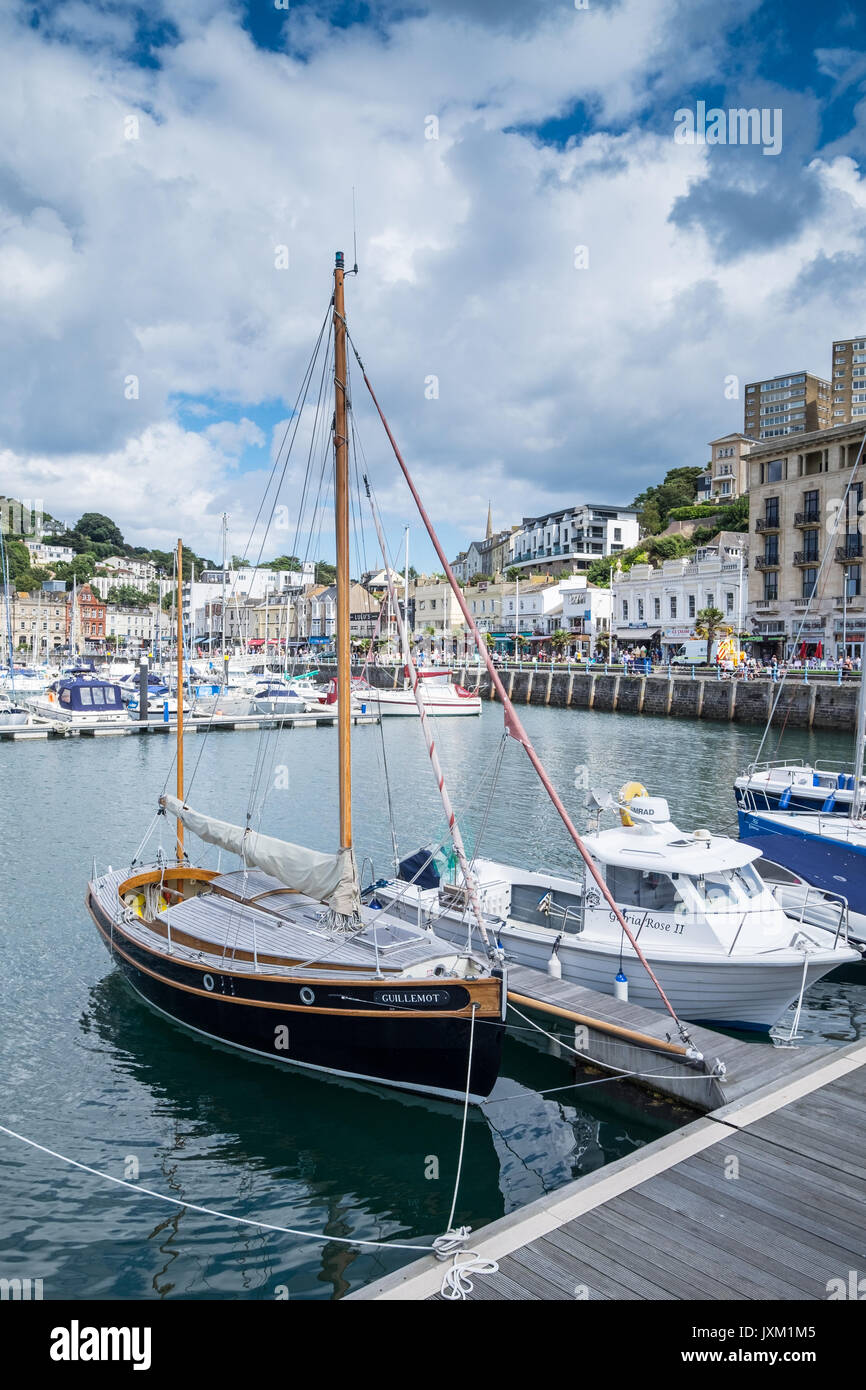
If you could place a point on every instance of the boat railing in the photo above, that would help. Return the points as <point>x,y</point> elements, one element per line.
<point>818,897</point>
<point>768,765</point>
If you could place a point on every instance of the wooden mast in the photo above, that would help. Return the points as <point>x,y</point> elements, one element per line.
<point>341,496</point>
<point>180,694</point>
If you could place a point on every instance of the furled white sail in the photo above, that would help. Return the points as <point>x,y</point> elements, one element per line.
<point>332,878</point>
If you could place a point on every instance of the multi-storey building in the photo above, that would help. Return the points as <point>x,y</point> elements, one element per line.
<point>566,541</point>
<point>43,553</point>
<point>849,380</point>
<point>85,620</point>
<point>133,629</point>
<point>38,622</point>
<point>658,606</point>
<point>727,473</point>
<point>438,621</point>
<point>586,613</point>
<point>794,404</point>
<point>805,586</point>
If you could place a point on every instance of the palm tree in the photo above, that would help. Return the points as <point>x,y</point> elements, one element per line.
<point>560,640</point>
<point>707,624</point>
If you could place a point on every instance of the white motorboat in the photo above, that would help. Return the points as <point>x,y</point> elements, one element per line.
<point>80,699</point>
<point>440,693</point>
<point>212,701</point>
<point>279,698</point>
<point>12,714</point>
<point>722,947</point>
<point>827,787</point>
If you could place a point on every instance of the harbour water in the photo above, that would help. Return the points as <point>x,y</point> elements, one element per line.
<point>90,1072</point>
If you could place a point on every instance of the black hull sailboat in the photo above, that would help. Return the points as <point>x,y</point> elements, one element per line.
<point>412,1033</point>
<point>280,957</point>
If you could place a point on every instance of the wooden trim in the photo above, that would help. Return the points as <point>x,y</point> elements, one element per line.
<point>479,986</point>
<point>660,1044</point>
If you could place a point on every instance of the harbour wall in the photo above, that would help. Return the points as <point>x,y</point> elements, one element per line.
<point>819,703</point>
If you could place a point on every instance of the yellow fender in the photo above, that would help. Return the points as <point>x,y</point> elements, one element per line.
<point>626,794</point>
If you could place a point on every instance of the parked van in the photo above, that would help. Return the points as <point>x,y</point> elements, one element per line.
<point>694,652</point>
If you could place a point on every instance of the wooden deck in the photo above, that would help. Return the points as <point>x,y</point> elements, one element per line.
<point>762,1199</point>
<point>701,1084</point>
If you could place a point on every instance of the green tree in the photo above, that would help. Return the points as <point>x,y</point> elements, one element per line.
<point>95,526</point>
<point>326,573</point>
<point>654,504</point>
<point>560,640</point>
<point>490,640</point>
<point>512,574</point>
<point>284,562</point>
<point>707,624</point>
<point>128,596</point>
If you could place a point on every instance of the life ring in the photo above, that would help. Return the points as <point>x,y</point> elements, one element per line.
<point>307,995</point>
<point>626,795</point>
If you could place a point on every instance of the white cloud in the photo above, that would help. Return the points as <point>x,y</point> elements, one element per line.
<point>157,257</point>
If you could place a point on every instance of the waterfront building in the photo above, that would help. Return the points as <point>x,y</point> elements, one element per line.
<point>85,620</point>
<point>39,622</point>
<point>657,605</point>
<point>133,629</point>
<point>849,380</point>
<point>437,618</point>
<point>798,403</point>
<point>797,494</point>
<point>727,473</point>
<point>585,614</point>
<point>569,540</point>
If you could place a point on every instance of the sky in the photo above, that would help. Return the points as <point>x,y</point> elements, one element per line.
<point>558,299</point>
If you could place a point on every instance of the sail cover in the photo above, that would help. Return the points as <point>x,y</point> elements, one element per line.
<point>331,878</point>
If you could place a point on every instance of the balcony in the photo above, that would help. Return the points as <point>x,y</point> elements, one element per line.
<point>850,552</point>
<point>766,605</point>
<point>767,523</point>
<point>806,557</point>
<point>811,517</point>
<point>767,562</point>
<point>854,602</point>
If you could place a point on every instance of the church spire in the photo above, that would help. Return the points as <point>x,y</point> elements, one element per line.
<point>489,535</point>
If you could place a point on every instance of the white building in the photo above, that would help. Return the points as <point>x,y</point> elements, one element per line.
<point>586,612</point>
<point>143,571</point>
<point>133,628</point>
<point>569,540</point>
<point>43,553</point>
<point>203,597</point>
<point>658,606</point>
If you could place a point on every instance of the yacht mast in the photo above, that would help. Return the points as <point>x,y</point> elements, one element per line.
<point>341,496</point>
<point>180,696</point>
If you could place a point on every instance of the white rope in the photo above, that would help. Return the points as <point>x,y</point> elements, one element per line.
<point>796,1024</point>
<point>209,1211</point>
<point>455,1282</point>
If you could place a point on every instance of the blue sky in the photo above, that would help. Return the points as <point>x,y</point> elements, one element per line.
<point>147,251</point>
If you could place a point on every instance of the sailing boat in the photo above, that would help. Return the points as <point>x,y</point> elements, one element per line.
<point>279,957</point>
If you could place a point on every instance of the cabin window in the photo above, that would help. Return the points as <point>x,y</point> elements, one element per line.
<point>540,907</point>
<point>98,696</point>
<point>641,888</point>
<point>717,890</point>
<point>65,698</point>
<point>85,696</point>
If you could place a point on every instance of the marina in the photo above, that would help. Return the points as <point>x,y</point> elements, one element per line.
<point>199,1121</point>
